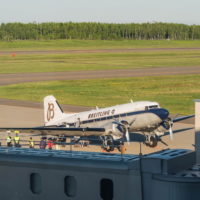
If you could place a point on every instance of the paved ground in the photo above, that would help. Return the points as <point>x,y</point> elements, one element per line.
<point>6,79</point>
<point>30,104</point>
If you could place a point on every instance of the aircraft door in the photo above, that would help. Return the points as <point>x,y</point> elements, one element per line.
<point>78,123</point>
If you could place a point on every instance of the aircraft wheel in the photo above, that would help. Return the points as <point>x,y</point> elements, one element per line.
<point>109,148</point>
<point>153,142</point>
<point>108,144</point>
<point>146,143</point>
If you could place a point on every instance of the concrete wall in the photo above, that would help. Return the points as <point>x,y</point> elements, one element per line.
<point>197,129</point>
<point>161,180</point>
<point>31,178</point>
<point>59,175</point>
<point>174,188</point>
<point>15,184</point>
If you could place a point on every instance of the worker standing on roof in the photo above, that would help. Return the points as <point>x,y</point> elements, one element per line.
<point>31,143</point>
<point>43,143</point>
<point>50,143</point>
<point>9,141</point>
<point>17,139</point>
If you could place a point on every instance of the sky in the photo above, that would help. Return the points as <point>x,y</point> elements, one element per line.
<point>108,11</point>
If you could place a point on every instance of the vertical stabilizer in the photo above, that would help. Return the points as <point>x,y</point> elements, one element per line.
<point>52,110</point>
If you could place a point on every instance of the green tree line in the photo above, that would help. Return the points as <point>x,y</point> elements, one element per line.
<point>101,31</point>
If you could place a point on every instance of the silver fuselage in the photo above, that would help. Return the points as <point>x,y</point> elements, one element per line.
<point>143,116</point>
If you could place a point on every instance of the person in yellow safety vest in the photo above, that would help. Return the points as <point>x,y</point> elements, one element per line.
<point>17,139</point>
<point>31,143</point>
<point>9,141</point>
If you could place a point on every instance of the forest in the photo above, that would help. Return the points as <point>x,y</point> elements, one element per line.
<point>98,31</point>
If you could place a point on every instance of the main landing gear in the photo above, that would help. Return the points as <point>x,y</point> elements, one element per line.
<point>109,144</point>
<point>151,141</point>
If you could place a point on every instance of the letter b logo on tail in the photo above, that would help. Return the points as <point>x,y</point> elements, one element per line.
<point>50,111</point>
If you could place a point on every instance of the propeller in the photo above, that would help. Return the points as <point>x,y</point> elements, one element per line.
<point>113,127</point>
<point>170,122</point>
<point>127,136</point>
<point>170,132</point>
<point>124,127</point>
<point>168,126</point>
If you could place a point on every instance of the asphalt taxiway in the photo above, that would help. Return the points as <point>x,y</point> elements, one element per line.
<point>7,79</point>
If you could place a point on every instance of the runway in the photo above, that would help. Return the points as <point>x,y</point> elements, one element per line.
<point>7,79</point>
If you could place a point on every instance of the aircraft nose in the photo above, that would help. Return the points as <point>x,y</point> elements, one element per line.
<point>163,114</point>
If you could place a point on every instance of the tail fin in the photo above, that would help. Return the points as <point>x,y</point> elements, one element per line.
<point>52,110</point>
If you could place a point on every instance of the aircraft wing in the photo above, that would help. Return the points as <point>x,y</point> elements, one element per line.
<point>176,131</point>
<point>182,118</point>
<point>59,131</point>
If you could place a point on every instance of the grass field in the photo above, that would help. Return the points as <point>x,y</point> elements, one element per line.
<point>97,61</point>
<point>94,44</point>
<point>23,63</point>
<point>175,93</point>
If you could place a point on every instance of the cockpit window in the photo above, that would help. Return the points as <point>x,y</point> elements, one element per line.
<point>151,107</point>
<point>154,106</point>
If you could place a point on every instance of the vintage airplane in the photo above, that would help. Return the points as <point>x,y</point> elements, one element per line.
<point>111,124</point>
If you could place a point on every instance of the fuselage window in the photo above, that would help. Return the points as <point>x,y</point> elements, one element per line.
<point>123,115</point>
<point>104,118</point>
<point>116,116</point>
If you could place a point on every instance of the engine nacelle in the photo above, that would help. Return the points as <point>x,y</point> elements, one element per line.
<point>164,126</point>
<point>113,129</point>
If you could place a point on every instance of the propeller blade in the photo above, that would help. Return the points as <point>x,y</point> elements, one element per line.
<point>113,127</point>
<point>127,136</point>
<point>170,132</point>
<point>163,142</point>
<point>130,124</point>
